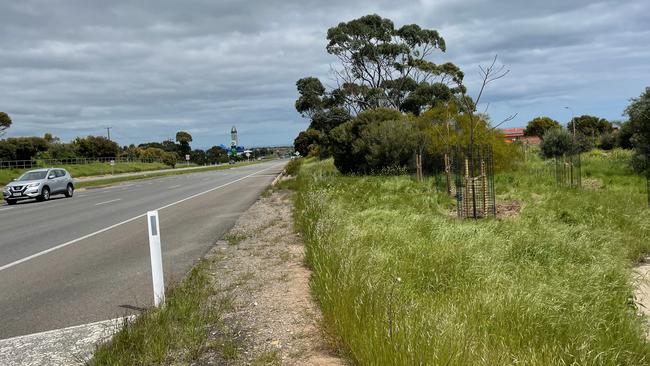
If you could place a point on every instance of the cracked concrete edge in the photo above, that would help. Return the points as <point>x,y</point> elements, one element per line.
<point>66,346</point>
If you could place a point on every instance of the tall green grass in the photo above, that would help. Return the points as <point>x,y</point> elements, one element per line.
<point>402,282</point>
<point>176,333</point>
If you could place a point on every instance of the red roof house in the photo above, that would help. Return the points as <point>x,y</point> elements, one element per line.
<point>517,134</point>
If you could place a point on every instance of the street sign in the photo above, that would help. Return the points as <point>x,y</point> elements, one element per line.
<point>112,162</point>
<point>187,157</point>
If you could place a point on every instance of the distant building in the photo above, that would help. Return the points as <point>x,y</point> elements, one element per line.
<point>517,134</point>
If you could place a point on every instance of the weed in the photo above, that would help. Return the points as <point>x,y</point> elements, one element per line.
<point>285,256</point>
<point>235,238</point>
<point>175,332</point>
<point>229,350</point>
<point>269,358</point>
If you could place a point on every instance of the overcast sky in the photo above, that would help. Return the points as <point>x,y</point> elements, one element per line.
<point>151,68</point>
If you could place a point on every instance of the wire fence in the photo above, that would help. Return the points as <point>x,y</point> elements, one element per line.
<point>38,163</point>
<point>474,181</point>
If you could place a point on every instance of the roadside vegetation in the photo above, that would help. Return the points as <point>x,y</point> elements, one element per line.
<point>85,170</point>
<point>400,279</point>
<point>403,282</point>
<point>172,334</point>
<point>90,155</point>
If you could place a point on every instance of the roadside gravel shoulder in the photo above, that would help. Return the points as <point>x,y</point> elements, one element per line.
<point>642,290</point>
<point>258,269</point>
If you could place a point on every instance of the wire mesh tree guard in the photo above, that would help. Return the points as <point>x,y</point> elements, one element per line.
<point>568,171</point>
<point>474,181</point>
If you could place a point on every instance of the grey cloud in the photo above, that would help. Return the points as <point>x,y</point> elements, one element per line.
<point>151,68</point>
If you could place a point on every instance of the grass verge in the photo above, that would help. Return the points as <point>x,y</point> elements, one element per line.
<point>174,334</point>
<point>85,170</point>
<point>401,282</point>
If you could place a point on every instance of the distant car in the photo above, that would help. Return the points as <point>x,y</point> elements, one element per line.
<point>40,184</point>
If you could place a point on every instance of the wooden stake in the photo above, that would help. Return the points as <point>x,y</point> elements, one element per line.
<point>484,188</point>
<point>447,174</point>
<point>468,193</point>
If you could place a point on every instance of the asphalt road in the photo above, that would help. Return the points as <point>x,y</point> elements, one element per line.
<point>77,260</point>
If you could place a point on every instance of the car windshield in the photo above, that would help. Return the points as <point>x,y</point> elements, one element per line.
<point>32,176</point>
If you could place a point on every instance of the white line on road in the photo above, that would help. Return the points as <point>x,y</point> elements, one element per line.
<point>36,255</point>
<point>5,208</point>
<point>103,203</point>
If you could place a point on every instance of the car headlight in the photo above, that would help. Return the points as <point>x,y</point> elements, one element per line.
<point>33,185</point>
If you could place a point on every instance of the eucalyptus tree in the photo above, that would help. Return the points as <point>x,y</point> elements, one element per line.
<point>639,113</point>
<point>389,67</point>
<point>5,123</point>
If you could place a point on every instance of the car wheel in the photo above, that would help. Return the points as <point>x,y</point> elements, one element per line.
<point>69,191</point>
<point>11,202</point>
<point>45,194</point>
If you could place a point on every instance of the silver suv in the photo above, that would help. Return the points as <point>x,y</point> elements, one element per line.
<point>40,184</point>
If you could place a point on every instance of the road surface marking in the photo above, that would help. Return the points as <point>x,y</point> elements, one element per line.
<point>103,203</point>
<point>5,208</point>
<point>63,245</point>
<point>176,186</point>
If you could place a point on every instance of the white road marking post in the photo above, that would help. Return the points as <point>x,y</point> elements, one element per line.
<point>156,258</point>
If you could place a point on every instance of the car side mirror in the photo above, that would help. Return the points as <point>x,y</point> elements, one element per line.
<point>51,177</point>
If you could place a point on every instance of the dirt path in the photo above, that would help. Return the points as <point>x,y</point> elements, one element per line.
<point>642,291</point>
<point>271,318</point>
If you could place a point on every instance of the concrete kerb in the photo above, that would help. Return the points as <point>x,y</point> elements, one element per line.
<point>277,179</point>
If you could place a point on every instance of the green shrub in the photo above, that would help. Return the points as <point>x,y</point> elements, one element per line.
<point>556,142</point>
<point>376,140</point>
<point>170,159</point>
<point>293,166</point>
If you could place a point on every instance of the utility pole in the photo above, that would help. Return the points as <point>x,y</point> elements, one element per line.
<point>108,131</point>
